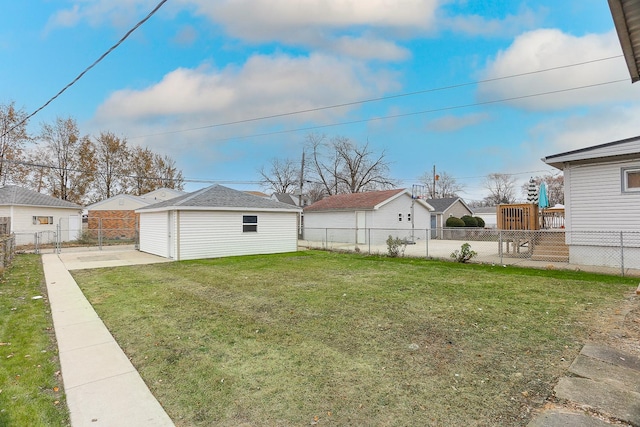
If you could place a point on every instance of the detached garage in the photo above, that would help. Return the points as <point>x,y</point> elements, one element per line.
<point>216,222</point>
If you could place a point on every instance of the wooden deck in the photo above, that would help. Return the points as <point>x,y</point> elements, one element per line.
<point>530,232</point>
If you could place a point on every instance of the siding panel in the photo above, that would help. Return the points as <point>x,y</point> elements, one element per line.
<point>218,234</point>
<point>153,233</point>
<point>597,201</point>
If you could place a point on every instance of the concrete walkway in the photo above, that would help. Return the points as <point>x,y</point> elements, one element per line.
<point>101,385</point>
<point>606,384</point>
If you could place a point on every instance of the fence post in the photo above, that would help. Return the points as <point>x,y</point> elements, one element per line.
<point>35,241</point>
<point>326,238</point>
<point>368,238</point>
<point>426,241</point>
<point>500,245</point>
<point>622,252</point>
<point>100,233</point>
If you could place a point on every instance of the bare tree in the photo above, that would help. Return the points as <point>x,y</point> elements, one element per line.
<point>13,136</point>
<point>283,176</point>
<point>141,169</point>
<point>112,162</point>
<point>445,185</point>
<point>554,184</point>
<point>342,166</point>
<point>72,160</point>
<point>501,188</point>
<point>166,173</point>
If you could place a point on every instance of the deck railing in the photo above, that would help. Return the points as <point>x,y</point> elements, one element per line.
<point>527,216</point>
<point>523,216</point>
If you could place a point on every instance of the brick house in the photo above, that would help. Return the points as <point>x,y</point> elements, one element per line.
<point>115,217</point>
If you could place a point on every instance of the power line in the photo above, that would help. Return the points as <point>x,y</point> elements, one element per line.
<point>414,113</point>
<point>383,98</point>
<point>111,49</point>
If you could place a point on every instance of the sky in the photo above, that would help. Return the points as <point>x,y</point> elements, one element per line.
<point>225,86</point>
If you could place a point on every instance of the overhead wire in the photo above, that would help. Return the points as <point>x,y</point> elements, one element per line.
<point>96,62</point>
<point>414,113</point>
<point>382,98</point>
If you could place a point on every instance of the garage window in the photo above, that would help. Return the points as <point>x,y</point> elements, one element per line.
<point>249,223</point>
<point>42,220</point>
<point>631,180</point>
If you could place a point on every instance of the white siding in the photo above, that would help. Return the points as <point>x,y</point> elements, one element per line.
<point>596,200</point>
<point>607,150</point>
<point>340,226</point>
<point>205,234</point>
<point>22,222</point>
<point>119,203</point>
<point>154,233</point>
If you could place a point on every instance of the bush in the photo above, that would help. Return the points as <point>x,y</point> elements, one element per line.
<point>469,221</point>
<point>464,254</point>
<point>393,246</point>
<point>480,221</point>
<point>452,221</point>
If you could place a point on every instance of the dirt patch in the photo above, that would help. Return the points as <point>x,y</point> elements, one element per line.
<point>620,328</point>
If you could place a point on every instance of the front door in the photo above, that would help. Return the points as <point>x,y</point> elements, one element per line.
<point>361,230</point>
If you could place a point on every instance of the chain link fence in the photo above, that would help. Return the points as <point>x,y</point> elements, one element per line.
<point>611,252</point>
<point>7,251</point>
<point>102,232</point>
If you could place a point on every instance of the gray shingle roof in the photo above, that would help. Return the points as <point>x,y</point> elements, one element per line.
<point>14,195</point>
<point>218,196</point>
<point>441,205</point>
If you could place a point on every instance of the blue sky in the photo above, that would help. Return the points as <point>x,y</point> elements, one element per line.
<point>199,63</point>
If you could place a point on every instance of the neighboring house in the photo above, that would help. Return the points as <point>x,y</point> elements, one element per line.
<point>284,198</point>
<point>444,208</point>
<point>489,215</point>
<point>162,194</point>
<point>216,222</point>
<point>32,213</point>
<point>367,218</point>
<point>258,193</point>
<point>115,217</point>
<point>602,194</point>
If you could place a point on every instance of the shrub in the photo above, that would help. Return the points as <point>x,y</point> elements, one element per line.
<point>464,254</point>
<point>469,221</point>
<point>393,246</point>
<point>452,221</point>
<point>481,223</point>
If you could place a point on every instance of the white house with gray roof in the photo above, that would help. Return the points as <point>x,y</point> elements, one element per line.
<point>216,222</point>
<point>32,213</point>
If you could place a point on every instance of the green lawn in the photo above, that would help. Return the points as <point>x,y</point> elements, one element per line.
<point>345,339</point>
<point>30,385</point>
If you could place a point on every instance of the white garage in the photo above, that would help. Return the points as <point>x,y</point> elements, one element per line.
<point>216,222</point>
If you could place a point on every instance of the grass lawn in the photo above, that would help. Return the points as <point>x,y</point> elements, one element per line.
<point>30,385</point>
<point>345,339</point>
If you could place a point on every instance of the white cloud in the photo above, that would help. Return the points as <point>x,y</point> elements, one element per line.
<point>548,48</point>
<point>454,123</point>
<point>365,29</point>
<point>476,25</point>
<point>263,86</point>
<point>119,13</point>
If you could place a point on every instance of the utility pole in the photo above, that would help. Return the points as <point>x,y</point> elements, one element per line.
<point>301,180</point>
<point>435,178</point>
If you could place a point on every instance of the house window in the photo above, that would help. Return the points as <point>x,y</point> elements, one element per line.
<point>399,217</point>
<point>408,217</point>
<point>631,180</point>
<point>42,220</point>
<point>249,223</point>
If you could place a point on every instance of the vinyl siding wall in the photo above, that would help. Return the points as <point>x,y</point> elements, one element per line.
<point>217,234</point>
<point>596,211</point>
<point>340,226</point>
<point>596,200</point>
<point>154,233</point>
